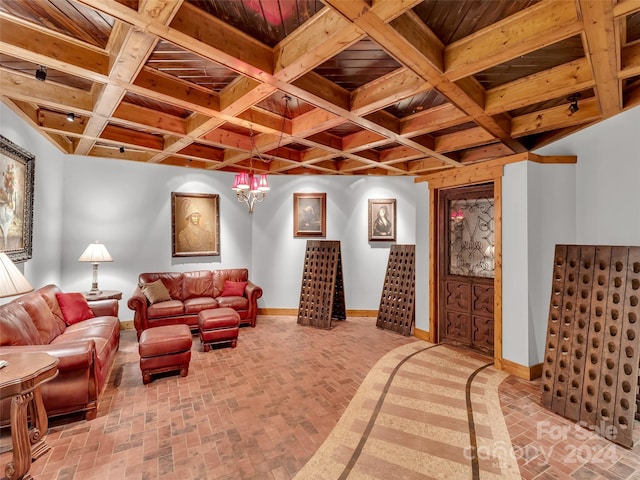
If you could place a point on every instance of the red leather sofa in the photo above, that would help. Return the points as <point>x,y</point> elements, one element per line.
<point>87,350</point>
<point>192,292</point>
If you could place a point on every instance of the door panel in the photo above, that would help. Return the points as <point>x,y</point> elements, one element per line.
<point>466,266</point>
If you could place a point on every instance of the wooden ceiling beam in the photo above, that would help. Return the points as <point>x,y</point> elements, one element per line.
<point>555,118</point>
<point>433,119</point>
<point>24,40</point>
<point>542,24</point>
<point>128,53</point>
<point>385,91</point>
<point>630,61</point>
<point>546,85</point>
<point>600,41</point>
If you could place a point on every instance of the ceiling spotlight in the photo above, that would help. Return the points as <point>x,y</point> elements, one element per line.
<point>70,117</point>
<point>41,73</point>
<point>573,107</point>
<point>121,149</point>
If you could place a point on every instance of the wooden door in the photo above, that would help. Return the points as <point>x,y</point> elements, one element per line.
<point>465,265</point>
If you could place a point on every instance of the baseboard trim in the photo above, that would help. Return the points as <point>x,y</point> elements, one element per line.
<point>513,368</point>
<point>294,312</point>
<point>422,335</point>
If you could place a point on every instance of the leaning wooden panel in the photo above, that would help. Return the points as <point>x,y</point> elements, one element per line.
<point>565,332</point>
<point>553,325</point>
<point>623,414</point>
<point>322,265</point>
<point>396,311</point>
<point>602,343</point>
<point>595,340</point>
<point>583,285</point>
<point>611,342</point>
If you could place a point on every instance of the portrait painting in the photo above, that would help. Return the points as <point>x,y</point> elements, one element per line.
<point>195,221</point>
<point>16,200</point>
<point>382,219</point>
<point>309,214</point>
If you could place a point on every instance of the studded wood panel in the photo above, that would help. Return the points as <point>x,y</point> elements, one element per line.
<point>590,370</point>
<point>321,292</point>
<point>397,312</point>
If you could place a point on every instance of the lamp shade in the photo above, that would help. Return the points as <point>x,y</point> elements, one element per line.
<point>95,252</point>
<point>12,282</point>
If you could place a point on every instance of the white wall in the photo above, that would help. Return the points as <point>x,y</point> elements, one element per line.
<point>45,265</point>
<point>607,179</point>
<point>127,206</point>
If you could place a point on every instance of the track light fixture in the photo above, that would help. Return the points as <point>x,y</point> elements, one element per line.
<point>573,107</point>
<point>121,149</point>
<point>70,117</point>
<point>41,73</point>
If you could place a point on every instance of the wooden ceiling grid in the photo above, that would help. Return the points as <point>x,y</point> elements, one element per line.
<point>375,87</point>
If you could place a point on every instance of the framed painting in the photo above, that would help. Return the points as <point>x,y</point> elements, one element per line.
<point>382,219</point>
<point>195,224</point>
<point>309,214</point>
<point>17,168</point>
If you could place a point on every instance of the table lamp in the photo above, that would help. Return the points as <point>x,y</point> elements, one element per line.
<point>12,282</point>
<point>95,253</point>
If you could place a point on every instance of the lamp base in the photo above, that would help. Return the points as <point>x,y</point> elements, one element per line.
<point>94,289</point>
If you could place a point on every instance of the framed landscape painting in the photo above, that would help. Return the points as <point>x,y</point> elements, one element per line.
<point>382,219</point>
<point>309,214</point>
<point>16,200</point>
<point>195,224</point>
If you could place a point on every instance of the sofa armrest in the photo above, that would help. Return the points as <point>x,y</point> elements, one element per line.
<point>76,355</point>
<point>138,303</point>
<point>252,291</point>
<point>104,308</point>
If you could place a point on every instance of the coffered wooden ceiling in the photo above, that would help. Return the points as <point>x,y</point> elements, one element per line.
<point>388,87</point>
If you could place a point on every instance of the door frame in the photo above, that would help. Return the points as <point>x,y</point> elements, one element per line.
<point>472,177</point>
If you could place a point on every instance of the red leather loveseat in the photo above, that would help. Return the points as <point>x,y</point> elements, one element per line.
<point>192,292</point>
<point>86,350</point>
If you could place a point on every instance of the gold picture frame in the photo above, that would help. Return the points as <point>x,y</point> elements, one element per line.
<point>195,224</point>
<point>309,214</point>
<point>17,167</point>
<point>382,220</point>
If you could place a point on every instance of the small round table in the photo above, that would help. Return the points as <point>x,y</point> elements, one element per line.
<point>103,295</point>
<point>20,380</point>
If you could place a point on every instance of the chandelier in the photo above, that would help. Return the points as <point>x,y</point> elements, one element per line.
<point>251,188</point>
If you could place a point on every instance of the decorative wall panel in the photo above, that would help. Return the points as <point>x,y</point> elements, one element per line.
<point>590,370</point>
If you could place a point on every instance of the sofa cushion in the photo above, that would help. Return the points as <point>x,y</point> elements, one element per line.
<point>195,305</point>
<point>233,289</point>
<point>231,274</point>
<point>197,284</point>
<point>48,326</point>
<point>155,292</point>
<point>166,309</point>
<point>74,307</point>
<point>16,327</point>
<point>237,303</point>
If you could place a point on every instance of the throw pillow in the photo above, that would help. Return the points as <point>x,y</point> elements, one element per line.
<point>155,292</point>
<point>233,289</point>
<point>74,307</point>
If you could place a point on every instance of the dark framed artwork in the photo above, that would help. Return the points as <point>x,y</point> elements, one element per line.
<point>17,168</point>
<point>195,224</point>
<point>382,219</point>
<point>309,214</point>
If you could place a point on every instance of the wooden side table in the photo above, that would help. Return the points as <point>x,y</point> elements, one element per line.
<point>20,380</point>
<point>103,295</point>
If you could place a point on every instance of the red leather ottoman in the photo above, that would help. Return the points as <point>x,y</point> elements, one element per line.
<point>164,349</point>
<point>218,325</point>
